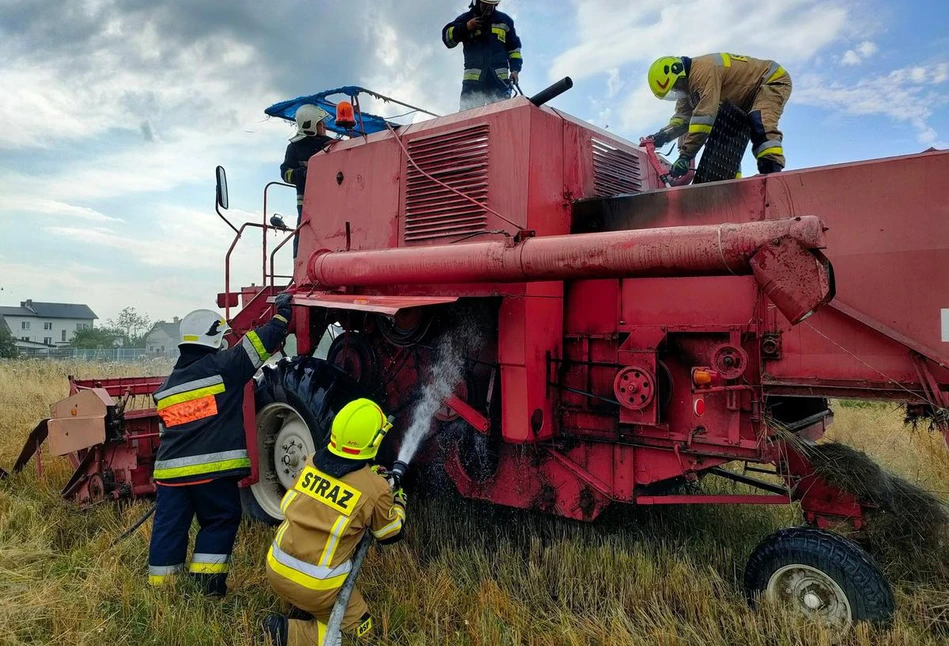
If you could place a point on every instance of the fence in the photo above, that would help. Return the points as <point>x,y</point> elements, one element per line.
<point>118,355</point>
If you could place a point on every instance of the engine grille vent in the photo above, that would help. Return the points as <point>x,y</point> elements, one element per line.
<point>460,160</point>
<point>615,171</point>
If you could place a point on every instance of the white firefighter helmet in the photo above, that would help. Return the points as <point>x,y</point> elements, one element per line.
<point>204,327</point>
<point>308,118</point>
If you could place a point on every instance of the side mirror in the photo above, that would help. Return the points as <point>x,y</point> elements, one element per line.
<point>220,197</point>
<point>221,188</point>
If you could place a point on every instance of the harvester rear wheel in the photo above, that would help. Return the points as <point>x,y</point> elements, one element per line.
<point>821,575</point>
<point>295,401</point>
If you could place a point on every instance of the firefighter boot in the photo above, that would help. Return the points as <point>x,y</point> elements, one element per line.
<point>210,585</point>
<point>275,630</point>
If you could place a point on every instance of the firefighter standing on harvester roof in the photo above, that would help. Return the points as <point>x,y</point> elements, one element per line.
<point>492,53</point>
<point>333,502</point>
<point>698,85</point>
<point>203,451</point>
<point>309,139</point>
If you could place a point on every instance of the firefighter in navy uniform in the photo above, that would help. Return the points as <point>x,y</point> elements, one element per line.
<point>492,53</point>
<point>310,139</point>
<point>335,500</point>
<point>698,85</point>
<point>203,452</point>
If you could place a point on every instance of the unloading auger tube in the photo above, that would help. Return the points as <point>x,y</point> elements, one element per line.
<point>781,254</point>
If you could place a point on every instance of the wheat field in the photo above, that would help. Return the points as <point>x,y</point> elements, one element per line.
<point>467,573</point>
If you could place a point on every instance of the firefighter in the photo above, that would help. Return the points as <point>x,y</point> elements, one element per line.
<point>203,453</point>
<point>309,139</point>
<point>492,53</point>
<point>333,502</point>
<point>698,85</point>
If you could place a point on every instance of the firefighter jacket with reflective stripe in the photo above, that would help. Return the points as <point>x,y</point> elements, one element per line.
<point>293,168</point>
<point>201,410</point>
<point>490,53</point>
<point>326,517</point>
<point>714,78</point>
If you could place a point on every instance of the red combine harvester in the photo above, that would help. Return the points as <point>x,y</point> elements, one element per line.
<point>633,337</point>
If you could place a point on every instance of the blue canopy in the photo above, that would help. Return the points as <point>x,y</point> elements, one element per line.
<point>365,123</point>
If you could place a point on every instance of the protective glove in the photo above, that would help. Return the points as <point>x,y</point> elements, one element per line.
<point>282,305</point>
<point>661,138</point>
<point>680,167</point>
<point>400,498</point>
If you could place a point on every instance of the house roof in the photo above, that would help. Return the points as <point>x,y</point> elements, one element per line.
<point>171,329</point>
<point>50,310</point>
<point>20,343</point>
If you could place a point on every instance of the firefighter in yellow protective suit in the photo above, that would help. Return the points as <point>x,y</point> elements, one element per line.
<point>698,85</point>
<point>333,502</point>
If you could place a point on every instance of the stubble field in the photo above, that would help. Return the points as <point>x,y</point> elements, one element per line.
<point>466,574</point>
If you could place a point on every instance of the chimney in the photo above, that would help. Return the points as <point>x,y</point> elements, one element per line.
<point>177,320</point>
<point>28,304</point>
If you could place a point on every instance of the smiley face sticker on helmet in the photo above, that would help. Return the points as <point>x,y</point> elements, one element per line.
<point>663,74</point>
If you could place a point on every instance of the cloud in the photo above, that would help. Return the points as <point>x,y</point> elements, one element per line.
<point>147,133</point>
<point>867,49</point>
<point>44,206</point>
<point>635,33</point>
<point>860,53</point>
<point>159,297</point>
<point>850,57</point>
<point>179,238</point>
<point>910,95</point>
<point>182,257</point>
<point>123,108</point>
<point>614,83</point>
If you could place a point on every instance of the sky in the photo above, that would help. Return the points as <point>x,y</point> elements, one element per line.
<point>115,113</point>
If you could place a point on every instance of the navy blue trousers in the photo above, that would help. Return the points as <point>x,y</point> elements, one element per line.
<point>217,504</point>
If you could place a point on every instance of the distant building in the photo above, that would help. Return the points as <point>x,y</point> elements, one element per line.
<point>163,338</point>
<point>34,324</point>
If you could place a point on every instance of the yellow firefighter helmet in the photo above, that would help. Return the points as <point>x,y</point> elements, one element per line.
<point>663,75</point>
<point>358,430</point>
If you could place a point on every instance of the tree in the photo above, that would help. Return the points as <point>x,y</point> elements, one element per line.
<point>94,338</point>
<point>134,327</point>
<point>7,344</point>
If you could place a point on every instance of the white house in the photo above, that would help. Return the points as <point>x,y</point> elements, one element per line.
<point>48,324</point>
<point>163,338</point>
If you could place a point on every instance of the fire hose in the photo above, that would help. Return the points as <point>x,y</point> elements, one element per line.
<point>138,523</point>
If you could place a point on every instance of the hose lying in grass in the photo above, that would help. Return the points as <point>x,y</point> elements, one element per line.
<point>136,525</point>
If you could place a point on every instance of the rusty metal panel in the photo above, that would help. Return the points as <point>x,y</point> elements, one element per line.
<point>529,328</point>
<point>888,239</point>
<point>698,303</point>
<point>389,305</point>
<point>355,179</point>
<point>78,422</point>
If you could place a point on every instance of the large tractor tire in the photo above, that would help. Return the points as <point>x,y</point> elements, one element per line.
<point>296,401</point>
<point>821,575</point>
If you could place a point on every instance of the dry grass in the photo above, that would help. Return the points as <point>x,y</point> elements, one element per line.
<point>467,573</point>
